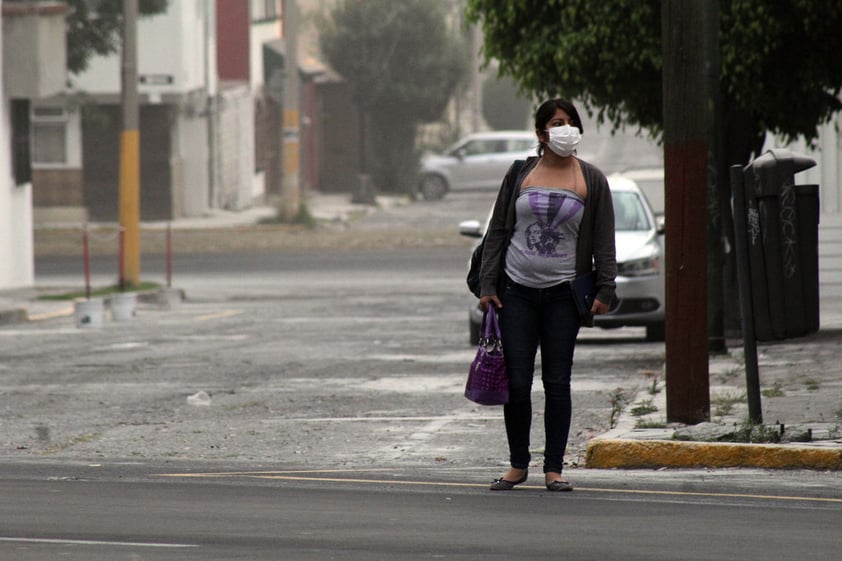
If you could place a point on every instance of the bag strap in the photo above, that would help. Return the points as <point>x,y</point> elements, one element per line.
<point>517,165</point>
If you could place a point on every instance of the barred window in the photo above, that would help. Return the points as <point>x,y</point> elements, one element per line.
<point>49,135</point>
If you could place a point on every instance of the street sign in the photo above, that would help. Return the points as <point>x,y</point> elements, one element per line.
<point>156,79</point>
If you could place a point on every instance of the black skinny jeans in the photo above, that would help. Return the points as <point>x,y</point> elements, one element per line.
<point>531,317</point>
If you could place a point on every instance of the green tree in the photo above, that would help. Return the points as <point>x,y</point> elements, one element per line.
<point>404,63</point>
<point>780,66</point>
<point>93,28</point>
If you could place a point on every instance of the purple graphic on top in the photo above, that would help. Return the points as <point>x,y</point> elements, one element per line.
<point>551,210</point>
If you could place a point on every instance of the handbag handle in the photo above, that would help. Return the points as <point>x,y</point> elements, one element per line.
<point>490,323</point>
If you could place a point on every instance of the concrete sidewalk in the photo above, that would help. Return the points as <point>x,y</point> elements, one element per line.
<point>801,384</point>
<point>801,401</point>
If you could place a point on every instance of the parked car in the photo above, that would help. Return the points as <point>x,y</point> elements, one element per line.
<point>640,260</point>
<point>478,161</point>
<point>651,182</point>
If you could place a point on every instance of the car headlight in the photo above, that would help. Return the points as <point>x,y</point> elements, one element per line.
<point>640,267</point>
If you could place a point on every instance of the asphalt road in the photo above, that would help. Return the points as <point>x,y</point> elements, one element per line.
<point>332,358</point>
<point>99,513</point>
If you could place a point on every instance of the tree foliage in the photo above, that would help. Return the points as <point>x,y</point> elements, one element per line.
<point>93,28</point>
<point>404,63</point>
<point>780,65</point>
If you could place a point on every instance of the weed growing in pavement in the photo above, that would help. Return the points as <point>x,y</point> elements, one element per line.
<point>839,413</point>
<point>747,432</point>
<point>303,218</point>
<point>650,424</point>
<point>654,388</point>
<point>774,391</point>
<point>811,384</point>
<point>643,408</point>
<point>618,400</point>
<point>729,375</point>
<point>724,402</point>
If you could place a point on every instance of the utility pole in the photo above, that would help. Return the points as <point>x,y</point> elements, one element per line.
<point>688,114</point>
<point>290,186</point>
<point>130,149</point>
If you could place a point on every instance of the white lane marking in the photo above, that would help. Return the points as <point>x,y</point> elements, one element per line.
<point>94,542</point>
<point>438,419</point>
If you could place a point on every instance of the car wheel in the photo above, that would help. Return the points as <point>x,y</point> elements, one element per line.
<point>433,187</point>
<point>473,333</point>
<point>655,332</point>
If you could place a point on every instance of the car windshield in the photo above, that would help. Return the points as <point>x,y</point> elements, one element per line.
<point>629,214</point>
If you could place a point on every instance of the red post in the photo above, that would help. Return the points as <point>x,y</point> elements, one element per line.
<point>86,256</point>
<point>121,253</point>
<point>169,255</point>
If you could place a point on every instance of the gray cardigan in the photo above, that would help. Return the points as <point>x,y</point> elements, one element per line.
<point>595,245</point>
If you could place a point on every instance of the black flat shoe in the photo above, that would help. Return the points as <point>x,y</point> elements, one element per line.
<point>505,485</point>
<point>559,486</point>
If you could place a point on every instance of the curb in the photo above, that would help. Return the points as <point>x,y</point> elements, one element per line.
<point>628,454</point>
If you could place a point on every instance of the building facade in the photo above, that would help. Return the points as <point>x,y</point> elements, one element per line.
<point>32,40</point>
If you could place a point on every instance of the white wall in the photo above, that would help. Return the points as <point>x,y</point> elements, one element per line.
<point>192,146</point>
<point>169,44</point>
<point>16,245</point>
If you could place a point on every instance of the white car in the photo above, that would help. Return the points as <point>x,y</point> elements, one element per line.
<point>478,161</point>
<point>640,263</point>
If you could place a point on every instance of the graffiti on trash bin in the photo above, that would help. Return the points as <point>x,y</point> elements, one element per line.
<point>789,228</point>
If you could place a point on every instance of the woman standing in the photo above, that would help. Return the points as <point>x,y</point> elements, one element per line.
<point>553,221</point>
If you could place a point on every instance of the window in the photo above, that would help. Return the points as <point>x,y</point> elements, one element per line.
<point>628,212</point>
<point>49,135</point>
<point>487,146</point>
<point>21,164</point>
<point>265,9</point>
<point>521,145</point>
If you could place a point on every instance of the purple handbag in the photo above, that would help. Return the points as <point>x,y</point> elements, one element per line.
<point>488,382</point>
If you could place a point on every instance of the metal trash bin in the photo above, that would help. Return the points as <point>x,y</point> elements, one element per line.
<point>782,241</point>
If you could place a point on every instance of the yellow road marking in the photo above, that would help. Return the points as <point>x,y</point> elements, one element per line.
<point>301,476</point>
<point>51,315</point>
<point>220,315</point>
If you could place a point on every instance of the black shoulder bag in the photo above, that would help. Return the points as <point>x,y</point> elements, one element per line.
<point>476,256</point>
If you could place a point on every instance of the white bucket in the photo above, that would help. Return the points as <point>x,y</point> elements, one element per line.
<point>169,298</point>
<point>88,312</point>
<point>123,306</point>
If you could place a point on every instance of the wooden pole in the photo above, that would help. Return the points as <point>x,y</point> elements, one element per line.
<point>290,187</point>
<point>687,117</point>
<point>130,146</point>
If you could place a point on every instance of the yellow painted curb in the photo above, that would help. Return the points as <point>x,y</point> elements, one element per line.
<point>615,453</point>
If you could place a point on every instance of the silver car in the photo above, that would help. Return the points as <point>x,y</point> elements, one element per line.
<point>478,161</point>
<point>640,263</point>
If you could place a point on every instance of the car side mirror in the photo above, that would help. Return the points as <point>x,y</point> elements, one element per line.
<point>471,228</point>
<point>461,153</point>
<point>660,223</point>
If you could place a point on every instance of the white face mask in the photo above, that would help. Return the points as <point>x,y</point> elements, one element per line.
<point>564,139</point>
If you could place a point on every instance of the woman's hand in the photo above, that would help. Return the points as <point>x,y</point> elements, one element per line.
<point>483,302</point>
<point>599,307</point>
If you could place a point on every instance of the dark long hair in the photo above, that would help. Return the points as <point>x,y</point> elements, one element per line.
<point>546,111</point>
